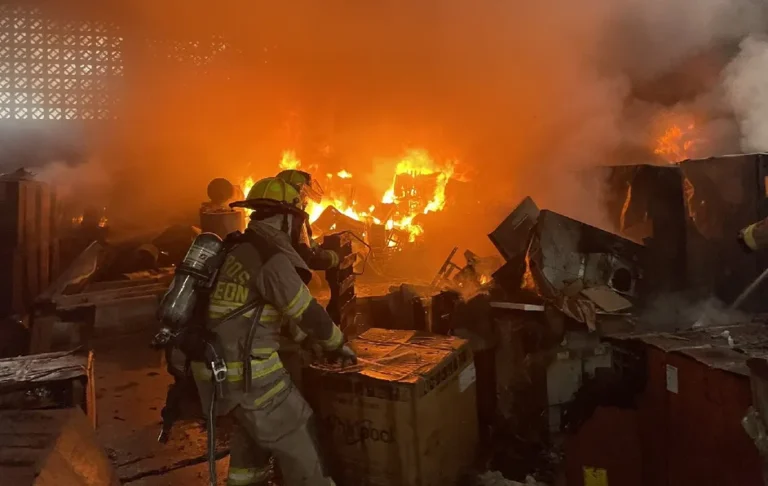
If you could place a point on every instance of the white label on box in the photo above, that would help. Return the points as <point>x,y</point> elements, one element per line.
<point>467,377</point>
<point>672,385</point>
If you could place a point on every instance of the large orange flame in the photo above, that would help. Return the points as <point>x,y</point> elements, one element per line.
<point>678,140</point>
<point>289,161</point>
<point>408,198</point>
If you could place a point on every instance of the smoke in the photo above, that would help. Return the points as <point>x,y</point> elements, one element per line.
<point>70,180</point>
<point>528,95</point>
<point>748,93</point>
<point>673,312</point>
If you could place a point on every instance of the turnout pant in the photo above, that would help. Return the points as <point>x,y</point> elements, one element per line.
<point>282,428</point>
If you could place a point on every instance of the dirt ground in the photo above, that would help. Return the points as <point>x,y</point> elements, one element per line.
<point>131,382</point>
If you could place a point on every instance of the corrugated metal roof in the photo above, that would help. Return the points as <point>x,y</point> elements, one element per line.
<point>710,346</point>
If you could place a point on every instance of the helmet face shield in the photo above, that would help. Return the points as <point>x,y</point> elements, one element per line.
<point>312,191</point>
<point>303,182</point>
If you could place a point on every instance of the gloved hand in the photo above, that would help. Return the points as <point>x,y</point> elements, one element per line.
<point>343,354</point>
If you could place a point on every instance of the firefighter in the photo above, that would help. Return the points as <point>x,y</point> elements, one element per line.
<point>755,236</point>
<point>317,258</point>
<point>271,417</point>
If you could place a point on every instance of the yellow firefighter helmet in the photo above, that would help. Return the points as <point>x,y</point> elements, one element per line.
<point>272,194</point>
<point>307,186</point>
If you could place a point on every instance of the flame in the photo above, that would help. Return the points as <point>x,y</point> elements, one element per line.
<point>289,161</point>
<point>528,283</point>
<point>417,163</point>
<point>678,140</point>
<point>409,197</point>
<point>247,184</point>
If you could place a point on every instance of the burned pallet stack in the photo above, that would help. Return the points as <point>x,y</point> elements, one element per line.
<point>77,306</point>
<point>27,241</point>
<point>341,280</point>
<point>49,381</point>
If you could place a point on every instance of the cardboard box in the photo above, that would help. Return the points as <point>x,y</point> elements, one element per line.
<point>406,415</point>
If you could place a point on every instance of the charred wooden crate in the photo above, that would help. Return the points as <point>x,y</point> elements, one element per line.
<point>51,380</point>
<point>341,280</point>
<point>27,240</point>
<point>696,394</point>
<point>404,416</point>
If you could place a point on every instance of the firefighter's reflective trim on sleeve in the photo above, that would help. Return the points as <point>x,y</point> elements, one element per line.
<point>246,476</point>
<point>749,236</point>
<point>259,368</point>
<point>299,303</point>
<point>334,341</point>
<point>269,394</point>
<point>220,309</point>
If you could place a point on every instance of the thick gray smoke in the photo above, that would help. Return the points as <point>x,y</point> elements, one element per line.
<point>747,87</point>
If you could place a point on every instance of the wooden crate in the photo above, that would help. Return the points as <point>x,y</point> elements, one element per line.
<point>27,241</point>
<point>51,380</point>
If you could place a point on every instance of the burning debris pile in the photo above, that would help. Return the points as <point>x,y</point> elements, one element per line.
<point>390,220</point>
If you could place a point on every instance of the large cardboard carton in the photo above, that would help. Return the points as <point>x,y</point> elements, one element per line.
<point>405,415</point>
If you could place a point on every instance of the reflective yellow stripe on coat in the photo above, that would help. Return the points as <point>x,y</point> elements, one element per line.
<point>298,304</point>
<point>259,368</point>
<point>218,309</point>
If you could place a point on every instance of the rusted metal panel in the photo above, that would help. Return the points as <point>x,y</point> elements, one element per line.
<point>652,408</point>
<point>735,447</point>
<point>608,441</point>
<point>691,409</point>
<point>688,424</point>
<point>707,444</point>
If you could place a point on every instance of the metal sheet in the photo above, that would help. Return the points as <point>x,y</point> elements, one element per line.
<point>606,448</point>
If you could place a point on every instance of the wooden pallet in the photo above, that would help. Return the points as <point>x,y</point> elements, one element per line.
<point>51,380</point>
<point>27,242</point>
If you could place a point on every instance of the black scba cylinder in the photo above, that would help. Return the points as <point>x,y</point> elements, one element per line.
<point>178,304</point>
